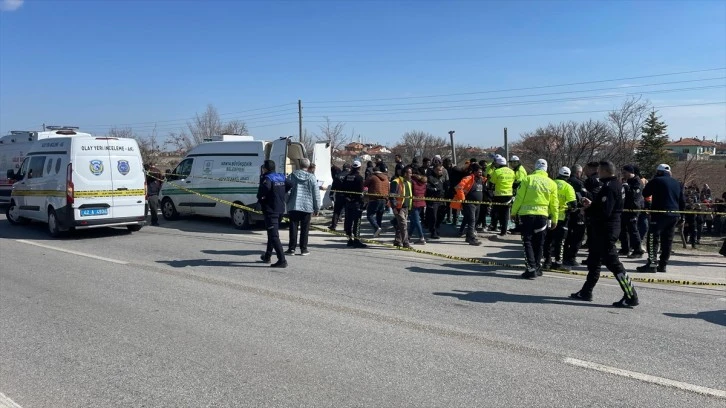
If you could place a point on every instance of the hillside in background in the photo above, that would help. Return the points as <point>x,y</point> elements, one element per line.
<point>699,172</point>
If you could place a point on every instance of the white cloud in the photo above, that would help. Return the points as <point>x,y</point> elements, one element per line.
<point>11,5</point>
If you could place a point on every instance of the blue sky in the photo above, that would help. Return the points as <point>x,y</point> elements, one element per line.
<point>134,63</point>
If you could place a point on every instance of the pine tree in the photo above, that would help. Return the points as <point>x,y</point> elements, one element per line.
<point>651,150</point>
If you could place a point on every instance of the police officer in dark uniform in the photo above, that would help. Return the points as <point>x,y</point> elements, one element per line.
<point>353,185</point>
<point>338,201</point>
<point>603,214</point>
<point>576,223</point>
<point>271,196</point>
<point>592,185</point>
<point>668,199</point>
<point>629,234</point>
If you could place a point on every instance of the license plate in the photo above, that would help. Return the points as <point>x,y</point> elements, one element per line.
<point>94,211</point>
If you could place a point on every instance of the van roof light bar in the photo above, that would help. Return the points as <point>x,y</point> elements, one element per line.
<point>62,127</point>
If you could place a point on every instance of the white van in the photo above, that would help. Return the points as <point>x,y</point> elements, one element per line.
<point>229,171</point>
<point>80,181</point>
<point>14,147</point>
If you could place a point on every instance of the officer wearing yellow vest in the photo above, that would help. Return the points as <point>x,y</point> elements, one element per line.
<point>555,238</point>
<point>401,203</point>
<point>520,173</point>
<point>503,181</point>
<point>536,207</point>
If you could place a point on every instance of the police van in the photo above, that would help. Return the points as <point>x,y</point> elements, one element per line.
<point>227,170</point>
<point>13,148</point>
<point>77,181</point>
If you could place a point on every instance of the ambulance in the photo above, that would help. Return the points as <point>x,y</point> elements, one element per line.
<point>216,173</point>
<point>74,180</point>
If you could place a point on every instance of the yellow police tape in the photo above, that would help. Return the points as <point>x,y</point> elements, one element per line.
<point>434,199</point>
<point>108,193</point>
<point>451,257</point>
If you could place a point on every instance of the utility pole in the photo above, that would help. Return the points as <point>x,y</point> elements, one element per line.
<point>453,149</point>
<point>299,118</point>
<point>506,145</point>
<point>43,127</point>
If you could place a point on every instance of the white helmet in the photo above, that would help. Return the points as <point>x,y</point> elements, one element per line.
<point>541,164</point>
<point>501,161</point>
<point>664,167</point>
<point>514,158</point>
<point>564,171</point>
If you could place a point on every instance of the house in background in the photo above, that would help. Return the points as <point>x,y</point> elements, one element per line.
<point>686,148</point>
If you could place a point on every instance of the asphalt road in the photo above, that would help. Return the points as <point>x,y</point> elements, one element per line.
<point>184,315</point>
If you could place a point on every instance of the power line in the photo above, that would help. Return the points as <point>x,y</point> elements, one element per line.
<point>521,89</point>
<point>395,111</point>
<point>244,118</point>
<point>191,118</point>
<point>511,116</point>
<point>518,96</point>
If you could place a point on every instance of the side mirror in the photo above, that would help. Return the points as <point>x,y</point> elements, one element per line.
<point>11,174</point>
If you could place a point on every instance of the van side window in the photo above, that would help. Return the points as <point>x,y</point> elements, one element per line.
<point>184,168</point>
<point>49,166</point>
<point>36,166</point>
<point>57,165</point>
<point>23,171</point>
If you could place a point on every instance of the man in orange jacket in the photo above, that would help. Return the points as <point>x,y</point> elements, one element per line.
<point>472,187</point>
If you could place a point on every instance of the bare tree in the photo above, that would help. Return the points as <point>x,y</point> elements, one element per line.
<point>691,170</point>
<point>234,127</point>
<point>203,128</point>
<point>333,132</point>
<point>308,140</point>
<point>417,143</point>
<point>148,146</point>
<point>566,144</point>
<point>626,124</point>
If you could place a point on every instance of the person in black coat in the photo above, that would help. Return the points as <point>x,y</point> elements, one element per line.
<point>629,234</point>
<point>271,197</point>
<point>353,185</point>
<point>603,214</point>
<point>338,201</point>
<point>667,205</point>
<point>576,222</point>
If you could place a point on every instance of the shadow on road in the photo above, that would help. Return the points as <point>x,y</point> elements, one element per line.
<point>183,263</point>
<point>39,232</point>
<point>465,270</point>
<point>240,252</point>
<point>715,316</point>
<point>494,297</point>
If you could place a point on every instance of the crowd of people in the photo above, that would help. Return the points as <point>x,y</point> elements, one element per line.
<point>594,207</point>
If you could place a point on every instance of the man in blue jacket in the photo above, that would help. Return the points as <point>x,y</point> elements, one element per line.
<point>271,196</point>
<point>667,206</point>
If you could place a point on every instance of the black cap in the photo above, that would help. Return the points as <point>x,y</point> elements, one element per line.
<point>629,168</point>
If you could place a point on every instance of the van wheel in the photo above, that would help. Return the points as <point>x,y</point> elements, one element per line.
<point>168,210</point>
<point>240,218</point>
<point>134,228</point>
<point>12,214</point>
<point>53,227</point>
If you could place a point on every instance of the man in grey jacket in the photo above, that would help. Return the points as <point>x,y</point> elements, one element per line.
<point>303,202</point>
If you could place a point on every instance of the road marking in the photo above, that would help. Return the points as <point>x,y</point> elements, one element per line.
<point>6,402</point>
<point>68,251</point>
<point>647,378</point>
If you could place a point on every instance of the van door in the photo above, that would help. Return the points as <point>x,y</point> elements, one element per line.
<point>92,179</point>
<point>36,192</point>
<point>183,200</point>
<point>21,189</point>
<point>278,153</point>
<point>128,178</point>
<point>322,154</point>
